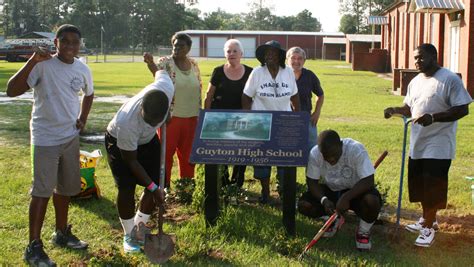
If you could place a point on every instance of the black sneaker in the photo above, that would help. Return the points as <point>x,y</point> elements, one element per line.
<point>67,239</point>
<point>35,255</point>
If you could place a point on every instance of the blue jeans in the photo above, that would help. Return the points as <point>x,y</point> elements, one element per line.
<point>262,172</point>
<point>312,136</point>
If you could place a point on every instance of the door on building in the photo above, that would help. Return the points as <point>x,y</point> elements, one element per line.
<point>249,44</point>
<point>454,49</point>
<point>215,46</point>
<point>195,47</point>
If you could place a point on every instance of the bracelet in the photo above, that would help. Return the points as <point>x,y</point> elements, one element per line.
<point>432,118</point>
<point>152,187</point>
<point>322,199</point>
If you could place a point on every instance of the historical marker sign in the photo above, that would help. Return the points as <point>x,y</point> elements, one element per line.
<point>237,137</point>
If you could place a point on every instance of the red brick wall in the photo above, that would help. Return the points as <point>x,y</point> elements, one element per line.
<point>307,43</point>
<point>333,51</point>
<point>370,61</point>
<point>356,47</point>
<point>312,44</point>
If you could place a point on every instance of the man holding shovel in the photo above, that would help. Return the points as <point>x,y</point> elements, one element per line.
<point>133,152</point>
<point>436,99</point>
<point>348,173</point>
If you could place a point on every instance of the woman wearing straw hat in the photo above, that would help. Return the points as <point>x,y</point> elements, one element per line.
<point>271,86</point>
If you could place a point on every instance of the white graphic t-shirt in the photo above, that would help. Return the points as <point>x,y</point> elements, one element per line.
<point>128,126</point>
<point>438,93</point>
<point>353,165</point>
<point>56,86</point>
<point>268,93</point>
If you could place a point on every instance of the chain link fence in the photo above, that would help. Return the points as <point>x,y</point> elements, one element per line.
<point>125,55</point>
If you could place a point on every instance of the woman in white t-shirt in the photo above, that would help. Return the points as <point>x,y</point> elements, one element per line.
<point>271,86</point>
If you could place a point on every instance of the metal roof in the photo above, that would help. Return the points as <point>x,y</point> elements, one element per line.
<point>436,6</point>
<point>377,20</point>
<point>31,35</point>
<point>332,40</point>
<point>216,32</point>
<point>395,4</point>
<point>364,38</point>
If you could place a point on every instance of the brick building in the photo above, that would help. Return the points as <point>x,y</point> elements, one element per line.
<point>210,43</point>
<point>447,24</point>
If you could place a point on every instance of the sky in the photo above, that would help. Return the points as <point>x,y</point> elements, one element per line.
<point>326,11</point>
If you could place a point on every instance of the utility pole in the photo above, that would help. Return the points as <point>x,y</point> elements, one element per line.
<point>102,41</point>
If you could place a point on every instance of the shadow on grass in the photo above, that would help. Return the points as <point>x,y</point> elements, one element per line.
<point>103,208</point>
<point>261,226</point>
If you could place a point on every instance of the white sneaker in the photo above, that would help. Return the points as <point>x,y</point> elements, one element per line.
<point>331,231</point>
<point>416,227</point>
<point>130,245</point>
<point>363,240</point>
<point>426,237</point>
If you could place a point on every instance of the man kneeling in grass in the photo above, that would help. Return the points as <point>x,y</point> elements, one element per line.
<point>348,174</point>
<point>133,151</point>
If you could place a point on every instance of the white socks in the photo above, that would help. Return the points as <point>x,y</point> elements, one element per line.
<point>141,217</point>
<point>127,225</point>
<point>364,226</point>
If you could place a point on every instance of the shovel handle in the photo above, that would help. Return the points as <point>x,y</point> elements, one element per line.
<point>161,211</point>
<point>380,159</point>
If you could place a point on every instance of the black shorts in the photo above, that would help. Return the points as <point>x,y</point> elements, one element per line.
<point>148,156</point>
<point>318,209</point>
<point>428,181</point>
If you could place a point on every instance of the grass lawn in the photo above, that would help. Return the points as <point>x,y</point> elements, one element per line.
<point>248,234</point>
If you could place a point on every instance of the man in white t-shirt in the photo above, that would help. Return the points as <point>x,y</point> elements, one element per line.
<point>133,153</point>
<point>436,99</point>
<point>348,175</point>
<point>56,120</point>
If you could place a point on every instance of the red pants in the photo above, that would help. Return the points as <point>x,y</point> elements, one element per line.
<point>179,138</point>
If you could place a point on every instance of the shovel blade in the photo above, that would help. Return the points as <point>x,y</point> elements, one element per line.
<point>159,248</point>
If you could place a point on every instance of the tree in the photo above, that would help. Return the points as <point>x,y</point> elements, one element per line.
<point>285,23</point>
<point>361,9</point>
<point>216,19</point>
<point>348,24</point>
<point>304,21</point>
<point>259,18</point>
<point>235,22</point>
<point>356,9</point>
<point>192,20</point>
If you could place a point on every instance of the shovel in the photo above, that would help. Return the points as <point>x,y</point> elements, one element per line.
<point>160,247</point>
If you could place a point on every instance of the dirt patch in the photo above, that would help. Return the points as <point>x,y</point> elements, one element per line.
<point>94,138</point>
<point>174,212</point>
<point>28,96</point>
<point>342,66</point>
<point>119,99</point>
<point>103,253</point>
<point>457,224</point>
<point>4,99</point>
<point>385,76</point>
<point>215,253</point>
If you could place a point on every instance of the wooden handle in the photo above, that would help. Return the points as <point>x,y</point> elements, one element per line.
<point>380,159</point>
